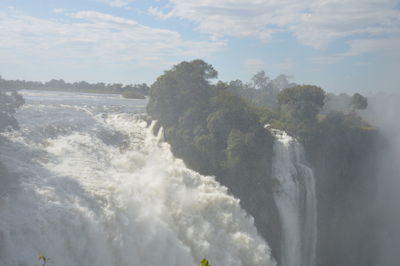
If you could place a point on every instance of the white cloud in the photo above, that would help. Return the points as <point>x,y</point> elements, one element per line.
<point>231,18</point>
<point>155,11</point>
<point>90,36</point>
<point>327,21</point>
<point>97,17</point>
<point>59,10</point>
<point>315,23</point>
<point>387,46</point>
<point>116,3</point>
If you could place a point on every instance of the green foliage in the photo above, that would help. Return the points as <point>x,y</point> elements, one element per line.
<point>204,262</point>
<point>213,130</point>
<point>262,91</point>
<point>217,125</point>
<point>236,148</point>
<point>359,102</point>
<point>185,86</point>
<point>219,130</point>
<point>216,132</point>
<point>260,80</point>
<point>267,116</point>
<point>303,102</point>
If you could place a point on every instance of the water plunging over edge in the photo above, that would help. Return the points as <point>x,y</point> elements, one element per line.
<point>296,201</point>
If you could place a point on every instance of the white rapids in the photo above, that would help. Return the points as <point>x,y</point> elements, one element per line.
<point>89,184</point>
<point>296,201</point>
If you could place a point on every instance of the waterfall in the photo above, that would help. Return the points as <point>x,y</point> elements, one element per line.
<point>296,201</point>
<point>87,183</point>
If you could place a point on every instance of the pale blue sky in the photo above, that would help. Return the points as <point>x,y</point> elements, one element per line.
<point>340,45</point>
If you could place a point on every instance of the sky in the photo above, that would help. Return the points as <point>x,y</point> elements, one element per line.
<point>339,45</point>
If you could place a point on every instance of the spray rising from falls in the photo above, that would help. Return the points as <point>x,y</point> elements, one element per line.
<point>296,201</point>
<point>91,185</point>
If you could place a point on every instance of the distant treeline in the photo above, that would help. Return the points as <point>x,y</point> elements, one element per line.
<point>262,91</point>
<point>128,91</point>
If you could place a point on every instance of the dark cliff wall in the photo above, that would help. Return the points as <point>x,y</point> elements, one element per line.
<point>345,165</point>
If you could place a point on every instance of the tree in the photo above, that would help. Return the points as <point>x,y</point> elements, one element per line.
<point>185,86</point>
<point>359,102</point>
<point>236,148</point>
<point>282,82</point>
<point>235,86</point>
<point>279,83</point>
<point>260,80</point>
<point>303,102</point>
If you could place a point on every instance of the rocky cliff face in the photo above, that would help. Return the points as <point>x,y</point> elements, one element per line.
<point>345,166</point>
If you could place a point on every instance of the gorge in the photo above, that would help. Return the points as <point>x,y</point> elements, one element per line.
<point>190,172</point>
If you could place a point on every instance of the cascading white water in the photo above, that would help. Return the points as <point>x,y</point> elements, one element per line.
<point>93,186</point>
<point>296,201</point>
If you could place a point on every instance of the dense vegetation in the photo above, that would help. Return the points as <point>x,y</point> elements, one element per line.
<point>218,129</point>
<point>343,150</point>
<point>217,133</point>
<point>262,90</point>
<point>138,91</point>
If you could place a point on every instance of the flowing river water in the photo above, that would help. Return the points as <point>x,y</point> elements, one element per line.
<point>85,182</point>
<point>296,201</point>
